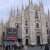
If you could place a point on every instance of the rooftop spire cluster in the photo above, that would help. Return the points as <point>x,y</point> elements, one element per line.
<point>13,12</point>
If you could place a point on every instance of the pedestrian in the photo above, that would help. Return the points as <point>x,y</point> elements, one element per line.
<point>41,45</point>
<point>46,47</point>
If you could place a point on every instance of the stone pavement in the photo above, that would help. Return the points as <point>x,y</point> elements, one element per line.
<point>37,48</point>
<point>33,48</point>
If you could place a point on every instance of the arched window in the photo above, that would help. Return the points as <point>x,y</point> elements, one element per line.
<point>17,26</point>
<point>26,22</point>
<point>26,31</point>
<point>46,24</point>
<point>37,25</point>
<point>36,14</point>
<point>47,31</point>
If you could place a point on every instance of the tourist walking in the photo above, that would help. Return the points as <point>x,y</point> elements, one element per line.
<point>46,47</point>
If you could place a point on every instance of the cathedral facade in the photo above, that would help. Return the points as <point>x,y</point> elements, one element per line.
<point>31,24</point>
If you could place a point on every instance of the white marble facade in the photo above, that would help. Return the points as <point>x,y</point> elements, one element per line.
<point>32,24</point>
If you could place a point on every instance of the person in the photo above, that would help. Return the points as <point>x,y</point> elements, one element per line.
<point>41,45</point>
<point>46,47</point>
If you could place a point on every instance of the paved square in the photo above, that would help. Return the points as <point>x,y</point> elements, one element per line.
<point>37,48</point>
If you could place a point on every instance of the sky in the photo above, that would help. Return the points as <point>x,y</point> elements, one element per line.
<point>5,6</point>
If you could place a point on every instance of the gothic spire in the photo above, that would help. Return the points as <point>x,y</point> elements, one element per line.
<point>14,11</point>
<point>22,5</point>
<point>48,17</point>
<point>48,14</point>
<point>11,11</point>
<point>41,3</point>
<point>18,12</point>
<point>30,2</point>
<point>2,24</point>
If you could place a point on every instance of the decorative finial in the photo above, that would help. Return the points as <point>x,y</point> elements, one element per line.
<point>14,12</point>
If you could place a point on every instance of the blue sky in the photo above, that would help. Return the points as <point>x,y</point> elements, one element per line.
<point>5,6</point>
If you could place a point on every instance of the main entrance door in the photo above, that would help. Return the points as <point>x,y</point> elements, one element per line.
<point>26,41</point>
<point>38,40</point>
